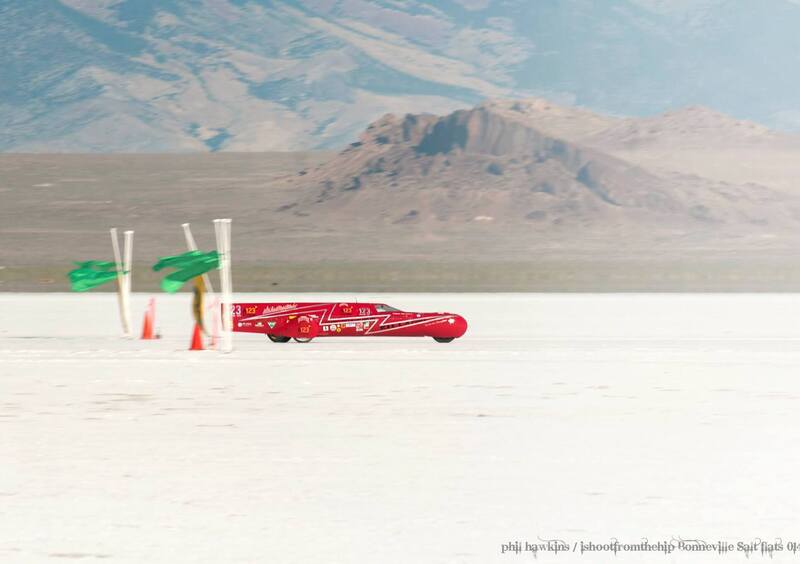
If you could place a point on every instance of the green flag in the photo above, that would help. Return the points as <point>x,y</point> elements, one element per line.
<point>91,273</point>
<point>188,265</point>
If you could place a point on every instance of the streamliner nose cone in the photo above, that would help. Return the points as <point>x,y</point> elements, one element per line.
<point>458,325</point>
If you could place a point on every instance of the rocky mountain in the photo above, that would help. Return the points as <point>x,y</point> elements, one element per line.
<point>254,75</point>
<point>692,140</point>
<point>541,168</point>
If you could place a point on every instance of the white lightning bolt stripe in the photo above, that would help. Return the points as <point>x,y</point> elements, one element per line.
<point>297,311</point>
<point>414,323</point>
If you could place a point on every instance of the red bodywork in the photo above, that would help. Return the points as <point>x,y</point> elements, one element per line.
<point>324,319</point>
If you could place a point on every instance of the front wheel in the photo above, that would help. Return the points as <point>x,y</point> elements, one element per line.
<point>303,339</point>
<point>278,338</point>
<point>443,339</point>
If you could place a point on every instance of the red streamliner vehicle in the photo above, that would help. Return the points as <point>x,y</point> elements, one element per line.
<point>305,321</point>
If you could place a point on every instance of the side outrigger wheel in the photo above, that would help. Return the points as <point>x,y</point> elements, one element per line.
<point>443,339</point>
<point>278,338</point>
<point>302,339</point>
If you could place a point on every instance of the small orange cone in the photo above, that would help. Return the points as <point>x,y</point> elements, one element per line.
<point>197,339</point>
<point>149,317</point>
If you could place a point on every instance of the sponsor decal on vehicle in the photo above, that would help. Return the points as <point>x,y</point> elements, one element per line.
<point>259,324</point>
<point>271,324</point>
<point>275,309</point>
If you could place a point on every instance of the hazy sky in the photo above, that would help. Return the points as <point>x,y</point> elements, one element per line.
<point>259,74</point>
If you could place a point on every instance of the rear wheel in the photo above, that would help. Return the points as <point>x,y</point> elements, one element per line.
<point>303,339</point>
<point>278,338</point>
<point>443,339</point>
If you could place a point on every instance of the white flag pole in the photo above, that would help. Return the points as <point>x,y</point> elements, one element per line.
<point>229,284</point>
<point>222,229</point>
<point>192,246</point>
<point>218,236</point>
<point>128,267</point>
<point>213,306</point>
<point>120,280</point>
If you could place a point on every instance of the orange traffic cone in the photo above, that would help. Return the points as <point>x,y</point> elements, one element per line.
<point>149,318</point>
<point>197,339</point>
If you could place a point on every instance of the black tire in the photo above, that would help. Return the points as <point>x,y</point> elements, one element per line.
<point>278,338</point>
<point>303,339</point>
<point>443,339</point>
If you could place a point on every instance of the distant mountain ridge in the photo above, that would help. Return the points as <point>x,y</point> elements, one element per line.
<point>255,75</point>
<point>543,168</point>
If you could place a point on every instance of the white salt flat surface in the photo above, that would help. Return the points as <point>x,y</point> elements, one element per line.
<point>577,417</point>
